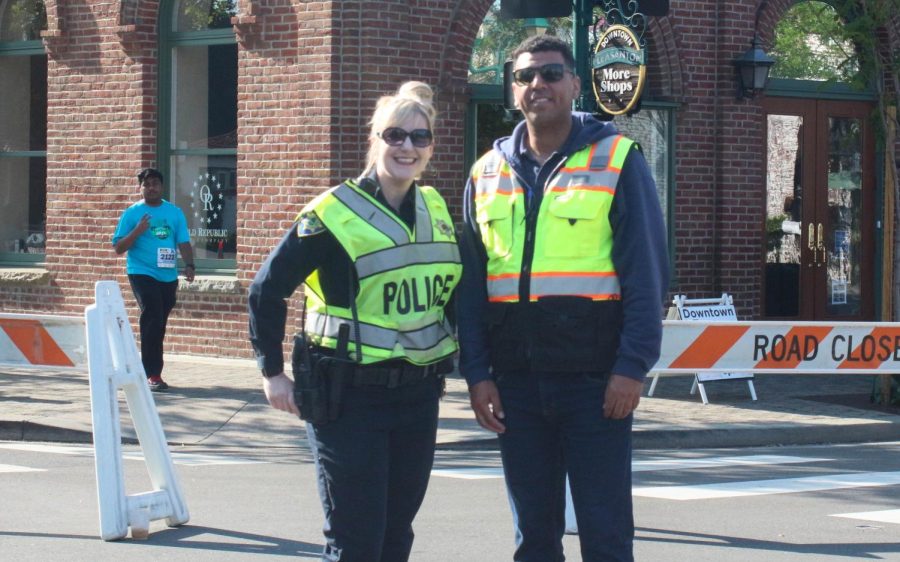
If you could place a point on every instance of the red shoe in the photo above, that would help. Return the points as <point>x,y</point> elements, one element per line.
<point>157,384</point>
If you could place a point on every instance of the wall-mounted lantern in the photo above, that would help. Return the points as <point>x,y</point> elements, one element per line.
<point>752,70</point>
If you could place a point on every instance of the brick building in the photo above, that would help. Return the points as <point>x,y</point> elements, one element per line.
<point>252,107</point>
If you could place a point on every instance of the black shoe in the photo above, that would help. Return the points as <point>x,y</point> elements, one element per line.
<point>157,384</point>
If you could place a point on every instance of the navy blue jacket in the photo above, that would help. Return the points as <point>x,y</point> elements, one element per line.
<point>639,252</point>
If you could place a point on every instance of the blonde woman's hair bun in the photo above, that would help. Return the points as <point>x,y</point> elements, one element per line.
<point>419,91</point>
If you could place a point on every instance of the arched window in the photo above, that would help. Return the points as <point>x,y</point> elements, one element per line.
<point>810,45</point>
<point>198,122</point>
<point>23,131</point>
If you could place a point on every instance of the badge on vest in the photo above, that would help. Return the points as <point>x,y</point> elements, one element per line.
<point>444,228</point>
<point>309,224</point>
<point>166,257</point>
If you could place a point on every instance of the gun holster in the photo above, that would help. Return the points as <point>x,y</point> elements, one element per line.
<point>320,380</point>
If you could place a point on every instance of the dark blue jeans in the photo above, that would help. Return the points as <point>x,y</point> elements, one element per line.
<point>156,300</point>
<point>373,466</point>
<point>554,426</point>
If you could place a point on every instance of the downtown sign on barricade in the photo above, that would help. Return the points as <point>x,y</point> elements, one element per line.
<point>868,348</point>
<point>719,309</point>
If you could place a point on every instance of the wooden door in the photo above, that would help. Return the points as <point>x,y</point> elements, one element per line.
<point>819,210</point>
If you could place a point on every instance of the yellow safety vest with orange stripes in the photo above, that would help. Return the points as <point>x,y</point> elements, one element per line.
<point>573,237</point>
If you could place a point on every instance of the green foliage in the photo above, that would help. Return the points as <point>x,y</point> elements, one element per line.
<point>497,38</point>
<point>197,15</point>
<point>24,21</point>
<point>813,43</point>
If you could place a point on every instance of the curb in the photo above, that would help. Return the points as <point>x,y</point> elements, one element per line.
<point>30,431</point>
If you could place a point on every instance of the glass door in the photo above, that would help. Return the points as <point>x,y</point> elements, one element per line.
<point>819,228</point>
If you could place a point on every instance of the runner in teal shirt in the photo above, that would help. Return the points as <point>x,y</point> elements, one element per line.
<point>152,232</point>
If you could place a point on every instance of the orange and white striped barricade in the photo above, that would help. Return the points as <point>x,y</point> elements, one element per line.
<point>867,348</point>
<point>39,341</point>
<point>114,363</point>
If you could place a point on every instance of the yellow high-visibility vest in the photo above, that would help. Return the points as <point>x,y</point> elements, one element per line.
<point>405,276</point>
<point>573,237</point>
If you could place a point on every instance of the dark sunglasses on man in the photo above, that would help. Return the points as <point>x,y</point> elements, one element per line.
<point>395,136</point>
<point>550,73</point>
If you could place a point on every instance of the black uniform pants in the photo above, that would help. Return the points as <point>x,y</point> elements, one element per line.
<point>156,300</point>
<point>373,466</point>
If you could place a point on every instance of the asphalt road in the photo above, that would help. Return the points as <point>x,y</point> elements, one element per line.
<point>823,503</point>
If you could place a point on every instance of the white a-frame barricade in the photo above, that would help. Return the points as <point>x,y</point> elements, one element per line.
<point>705,310</point>
<point>114,363</point>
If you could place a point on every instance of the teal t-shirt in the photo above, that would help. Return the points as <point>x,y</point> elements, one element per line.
<point>154,252</point>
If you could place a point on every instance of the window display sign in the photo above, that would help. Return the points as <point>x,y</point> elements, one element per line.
<point>619,70</point>
<point>209,201</point>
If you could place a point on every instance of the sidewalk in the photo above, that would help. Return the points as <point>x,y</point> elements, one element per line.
<point>219,402</point>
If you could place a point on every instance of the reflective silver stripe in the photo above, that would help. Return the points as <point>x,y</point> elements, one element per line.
<point>566,181</point>
<point>491,165</point>
<point>371,213</point>
<point>599,161</point>
<point>584,285</point>
<point>406,255</point>
<point>503,287</point>
<point>424,230</point>
<point>602,153</point>
<point>423,338</point>
<point>426,337</point>
<point>374,336</point>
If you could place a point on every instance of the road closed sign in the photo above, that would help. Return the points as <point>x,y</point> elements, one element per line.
<point>798,347</point>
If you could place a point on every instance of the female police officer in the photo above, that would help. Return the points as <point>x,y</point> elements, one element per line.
<point>379,262</point>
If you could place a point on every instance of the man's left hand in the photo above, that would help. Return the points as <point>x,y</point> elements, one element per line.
<point>622,396</point>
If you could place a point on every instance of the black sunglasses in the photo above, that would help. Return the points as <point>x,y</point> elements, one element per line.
<point>395,136</point>
<point>550,73</point>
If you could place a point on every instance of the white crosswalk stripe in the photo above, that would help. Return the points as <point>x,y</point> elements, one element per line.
<point>767,487</point>
<point>655,465</point>
<point>885,516</point>
<point>184,459</point>
<point>14,468</point>
<point>746,488</point>
<point>469,473</point>
<point>717,462</point>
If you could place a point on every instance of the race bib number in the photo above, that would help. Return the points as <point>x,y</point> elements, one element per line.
<point>166,257</point>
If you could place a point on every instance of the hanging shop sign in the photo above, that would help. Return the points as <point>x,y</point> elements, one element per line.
<point>619,70</point>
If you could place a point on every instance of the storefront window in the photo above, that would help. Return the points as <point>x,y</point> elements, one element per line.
<point>652,129</point>
<point>201,128</point>
<point>23,131</point>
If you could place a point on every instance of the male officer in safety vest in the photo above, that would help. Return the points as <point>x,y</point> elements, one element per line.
<point>564,276</point>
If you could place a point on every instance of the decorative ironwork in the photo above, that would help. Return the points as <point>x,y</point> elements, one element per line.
<point>617,12</point>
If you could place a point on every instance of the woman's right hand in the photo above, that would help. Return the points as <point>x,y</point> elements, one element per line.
<point>280,393</point>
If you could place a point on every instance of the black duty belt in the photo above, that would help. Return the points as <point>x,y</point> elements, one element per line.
<point>392,377</point>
